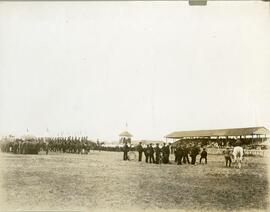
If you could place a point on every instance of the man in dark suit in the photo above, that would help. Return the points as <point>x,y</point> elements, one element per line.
<point>165,153</point>
<point>179,154</point>
<point>151,156</point>
<point>125,150</point>
<point>193,154</point>
<point>203,156</point>
<point>157,151</point>
<point>147,153</point>
<point>140,151</point>
<point>185,154</point>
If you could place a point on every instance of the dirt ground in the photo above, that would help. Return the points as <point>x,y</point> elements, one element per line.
<point>102,180</point>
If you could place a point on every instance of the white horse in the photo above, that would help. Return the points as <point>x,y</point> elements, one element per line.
<point>238,153</point>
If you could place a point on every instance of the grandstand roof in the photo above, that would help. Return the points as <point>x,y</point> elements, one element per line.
<point>220,132</point>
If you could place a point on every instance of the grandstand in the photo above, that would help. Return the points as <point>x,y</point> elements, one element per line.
<point>248,136</point>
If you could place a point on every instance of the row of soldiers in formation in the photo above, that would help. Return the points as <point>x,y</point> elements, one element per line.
<point>70,145</point>
<point>161,155</point>
<point>21,147</point>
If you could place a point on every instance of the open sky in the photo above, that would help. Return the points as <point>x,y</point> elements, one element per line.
<point>90,67</point>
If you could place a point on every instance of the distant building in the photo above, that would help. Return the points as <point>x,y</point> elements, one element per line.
<point>248,136</point>
<point>125,137</point>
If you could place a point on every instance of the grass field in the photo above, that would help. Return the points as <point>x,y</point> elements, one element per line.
<point>101,180</point>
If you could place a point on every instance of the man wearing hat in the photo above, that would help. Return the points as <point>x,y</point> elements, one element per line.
<point>179,154</point>
<point>125,150</point>
<point>193,154</point>
<point>147,153</point>
<point>185,154</point>
<point>158,151</point>
<point>140,151</point>
<point>227,156</point>
<point>151,155</point>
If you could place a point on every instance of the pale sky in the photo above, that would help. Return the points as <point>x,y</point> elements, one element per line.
<point>90,67</point>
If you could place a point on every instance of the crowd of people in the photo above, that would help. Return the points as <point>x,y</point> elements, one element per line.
<point>54,144</point>
<point>157,154</point>
<point>183,152</point>
<point>70,145</point>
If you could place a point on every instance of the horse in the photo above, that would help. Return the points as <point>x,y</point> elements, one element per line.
<point>238,153</point>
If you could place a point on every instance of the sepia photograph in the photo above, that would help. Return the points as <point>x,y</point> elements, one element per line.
<point>134,106</point>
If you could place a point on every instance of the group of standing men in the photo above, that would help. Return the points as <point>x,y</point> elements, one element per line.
<point>152,154</point>
<point>182,151</point>
<point>161,155</point>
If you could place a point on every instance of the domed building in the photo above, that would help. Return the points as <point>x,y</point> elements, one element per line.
<point>125,137</point>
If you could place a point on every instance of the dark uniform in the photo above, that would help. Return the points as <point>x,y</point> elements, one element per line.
<point>140,151</point>
<point>203,156</point>
<point>151,155</point>
<point>227,155</point>
<point>179,154</point>
<point>15,147</point>
<point>125,150</point>
<point>147,153</point>
<point>185,154</point>
<point>157,151</point>
<point>165,153</point>
<point>193,154</point>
